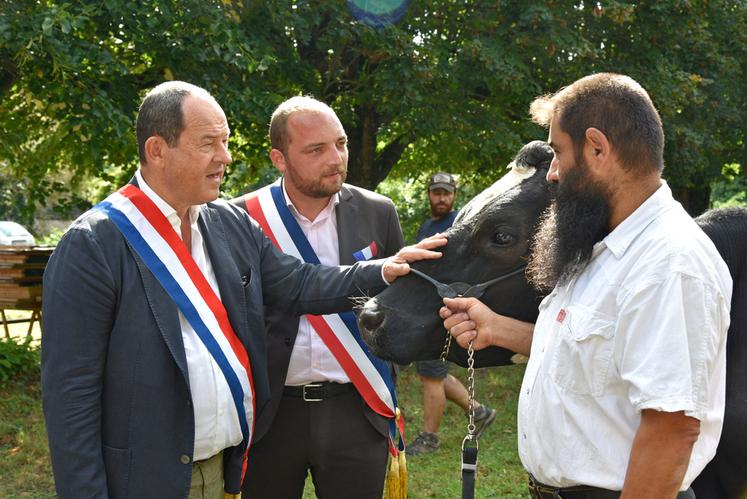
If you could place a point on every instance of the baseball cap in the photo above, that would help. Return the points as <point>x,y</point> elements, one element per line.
<point>442,180</point>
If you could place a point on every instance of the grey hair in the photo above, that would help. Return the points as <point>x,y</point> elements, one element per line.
<point>161,113</point>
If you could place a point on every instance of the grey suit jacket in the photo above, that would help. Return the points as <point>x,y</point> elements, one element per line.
<point>362,217</point>
<point>115,385</point>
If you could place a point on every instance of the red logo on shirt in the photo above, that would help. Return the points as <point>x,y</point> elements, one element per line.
<point>561,316</point>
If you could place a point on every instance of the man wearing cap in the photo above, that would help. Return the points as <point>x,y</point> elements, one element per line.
<point>438,385</point>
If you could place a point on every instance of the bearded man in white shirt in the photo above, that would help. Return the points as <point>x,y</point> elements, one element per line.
<point>623,395</point>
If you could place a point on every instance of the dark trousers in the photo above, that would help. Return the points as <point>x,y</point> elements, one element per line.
<point>333,439</point>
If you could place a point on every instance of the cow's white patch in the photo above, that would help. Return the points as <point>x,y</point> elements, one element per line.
<point>515,176</point>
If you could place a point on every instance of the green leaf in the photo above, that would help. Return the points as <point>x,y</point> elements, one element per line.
<point>47,26</point>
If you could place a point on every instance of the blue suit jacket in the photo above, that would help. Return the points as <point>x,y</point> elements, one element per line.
<point>114,374</point>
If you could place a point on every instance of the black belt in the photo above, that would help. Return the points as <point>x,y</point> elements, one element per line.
<point>538,490</point>
<point>318,392</point>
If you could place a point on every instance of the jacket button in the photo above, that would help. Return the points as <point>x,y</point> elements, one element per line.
<point>184,459</point>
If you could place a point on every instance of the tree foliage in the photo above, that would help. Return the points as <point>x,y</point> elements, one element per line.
<point>447,87</point>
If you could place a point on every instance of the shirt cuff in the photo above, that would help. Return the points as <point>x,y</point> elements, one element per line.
<point>382,274</point>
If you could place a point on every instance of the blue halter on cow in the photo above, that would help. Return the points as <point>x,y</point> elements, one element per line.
<point>488,246</point>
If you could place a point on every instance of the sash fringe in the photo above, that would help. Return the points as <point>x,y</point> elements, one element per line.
<point>396,478</point>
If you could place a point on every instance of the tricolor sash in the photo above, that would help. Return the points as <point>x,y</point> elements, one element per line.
<point>151,235</point>
<point>339,332</point>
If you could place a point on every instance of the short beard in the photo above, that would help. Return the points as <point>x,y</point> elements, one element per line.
<point>439,212</point>
<point>576,220</point>
<point>315,188</point>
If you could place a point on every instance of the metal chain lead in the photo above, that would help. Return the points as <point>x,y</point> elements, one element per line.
<point>470,381</point>
<point>471,390</point>
<point>447,345</point>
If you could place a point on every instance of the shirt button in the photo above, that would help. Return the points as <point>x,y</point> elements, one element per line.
<point>184,459</point>
<point>524,435</point>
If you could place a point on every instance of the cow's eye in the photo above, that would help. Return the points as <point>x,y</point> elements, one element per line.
<point>502,238</point>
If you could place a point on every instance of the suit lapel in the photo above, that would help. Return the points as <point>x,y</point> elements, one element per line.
<point>163,309</point>
<point>347,227</point>
<point>224,266</point>
<point>165,313</point>
<point>162,305</point>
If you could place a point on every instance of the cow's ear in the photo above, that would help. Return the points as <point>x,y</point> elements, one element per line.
<point>597,149</point>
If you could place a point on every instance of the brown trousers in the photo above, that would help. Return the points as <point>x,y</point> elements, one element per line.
<point>207,478</point>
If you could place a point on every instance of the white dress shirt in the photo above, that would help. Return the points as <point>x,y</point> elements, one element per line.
<point>216,421</point>
<point>642,327</point>
<point>311,361</point>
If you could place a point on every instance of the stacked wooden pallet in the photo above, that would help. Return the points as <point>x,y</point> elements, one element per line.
<point>21,271</point>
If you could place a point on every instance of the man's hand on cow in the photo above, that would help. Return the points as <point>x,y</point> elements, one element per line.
<point>399,264</point>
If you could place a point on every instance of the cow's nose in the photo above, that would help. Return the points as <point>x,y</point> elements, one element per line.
<point>370,318</point>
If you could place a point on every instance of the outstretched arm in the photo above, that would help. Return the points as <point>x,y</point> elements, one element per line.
<point>468,319</point>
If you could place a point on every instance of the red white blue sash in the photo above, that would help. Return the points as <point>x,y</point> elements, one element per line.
<point>370,375</point>
<point>152,236</point>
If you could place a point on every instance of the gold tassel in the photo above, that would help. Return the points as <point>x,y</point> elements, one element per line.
<point>393,479</point>
<point>402,475</point>
<point>396,477</point>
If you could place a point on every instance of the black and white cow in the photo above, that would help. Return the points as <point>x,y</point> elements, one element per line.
<point>490,238</point>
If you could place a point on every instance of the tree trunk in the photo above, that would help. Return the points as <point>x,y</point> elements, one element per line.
<point>695,199</point>
<point>367,167</point>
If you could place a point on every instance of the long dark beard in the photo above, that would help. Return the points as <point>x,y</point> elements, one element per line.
<point>576,220</point>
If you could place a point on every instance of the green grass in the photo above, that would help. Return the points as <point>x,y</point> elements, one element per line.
<point>438,475</point>
<point>499,471</point>
<point>25,470</point>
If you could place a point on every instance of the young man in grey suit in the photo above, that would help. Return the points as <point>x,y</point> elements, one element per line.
<point>334,433</point>
<point>153,351</point>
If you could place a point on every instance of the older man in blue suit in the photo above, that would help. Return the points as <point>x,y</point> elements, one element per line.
<point>153,352</point>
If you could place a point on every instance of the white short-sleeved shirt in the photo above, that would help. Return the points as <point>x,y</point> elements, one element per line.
<point>642,327</point>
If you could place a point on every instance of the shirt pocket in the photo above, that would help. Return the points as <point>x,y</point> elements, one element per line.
<point>583,352</point>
